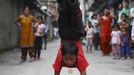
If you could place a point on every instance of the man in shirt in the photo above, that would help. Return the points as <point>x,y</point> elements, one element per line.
<point>45,36</point>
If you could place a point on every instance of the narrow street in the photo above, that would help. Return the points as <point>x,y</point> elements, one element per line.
<point>9,64</point>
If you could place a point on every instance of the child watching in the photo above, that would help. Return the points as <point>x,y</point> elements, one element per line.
<point>125,44</point>
<point>115,41</point>
<point>39,29</point>
<point>89,37</point>
<point>123,23</point>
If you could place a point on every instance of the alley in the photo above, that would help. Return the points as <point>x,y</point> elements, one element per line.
<point>9,64</point>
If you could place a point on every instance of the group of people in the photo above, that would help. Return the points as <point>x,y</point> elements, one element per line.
<point>93,34</point>
<point>116,38</point>
<point>32,33</point>
<point>71,30</point>
<point>116,31</point>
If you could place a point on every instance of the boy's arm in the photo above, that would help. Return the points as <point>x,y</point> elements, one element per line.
<point>83,73</point>
<point>56,73</point>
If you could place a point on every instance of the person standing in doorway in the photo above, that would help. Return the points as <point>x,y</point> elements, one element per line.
<point>26,33</point>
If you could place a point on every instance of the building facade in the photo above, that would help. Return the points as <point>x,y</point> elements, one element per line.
<point>8,30</point>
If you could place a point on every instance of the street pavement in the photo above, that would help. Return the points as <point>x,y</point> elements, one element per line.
<point>99,65</point>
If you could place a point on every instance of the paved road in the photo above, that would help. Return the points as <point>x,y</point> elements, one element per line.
<point>98,65</point>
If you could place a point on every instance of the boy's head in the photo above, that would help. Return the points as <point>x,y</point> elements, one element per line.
<point>69,53</point>
<point>124,17</point>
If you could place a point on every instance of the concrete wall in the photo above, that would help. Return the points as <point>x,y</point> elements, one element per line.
<point>8,29</point>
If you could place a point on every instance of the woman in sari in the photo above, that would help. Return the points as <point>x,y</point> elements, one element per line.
<point>26,33</point>
<point>106,28</point>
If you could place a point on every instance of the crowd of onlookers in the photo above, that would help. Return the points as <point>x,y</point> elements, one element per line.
<point>113,31</point>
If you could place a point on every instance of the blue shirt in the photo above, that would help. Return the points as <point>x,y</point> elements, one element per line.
<point>46,28</point>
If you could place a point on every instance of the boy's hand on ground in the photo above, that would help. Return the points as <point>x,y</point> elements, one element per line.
<point>83,73</point>
<point>56,73</point>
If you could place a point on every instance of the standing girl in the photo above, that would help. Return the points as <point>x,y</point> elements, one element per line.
<point>125,44</point>
<point>89,37</point>
<point>123,23</point>
<point>39,29</point>
<point>106,32</point>
<point>115,41</point>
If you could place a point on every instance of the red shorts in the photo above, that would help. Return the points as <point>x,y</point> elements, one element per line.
<point>81,64</point>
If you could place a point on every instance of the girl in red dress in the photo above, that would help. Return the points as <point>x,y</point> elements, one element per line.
<point>106,32</point>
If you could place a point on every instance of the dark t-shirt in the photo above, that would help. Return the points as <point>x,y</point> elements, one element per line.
<point>70,20</point>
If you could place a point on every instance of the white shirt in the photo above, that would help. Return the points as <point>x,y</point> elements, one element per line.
<point>115,37</point>
<point>132,32</point>
<point>132,15</point>
<point>90,32</point>
<point>94,23</point>
<point>132,22</point>
<point>39,29</point>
